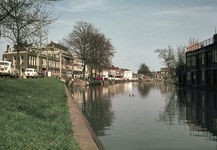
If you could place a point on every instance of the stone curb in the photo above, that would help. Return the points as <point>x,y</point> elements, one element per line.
<point>81,128</point>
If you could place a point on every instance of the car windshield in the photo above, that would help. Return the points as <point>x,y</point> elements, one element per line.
<point>29,70</point>
<point>4,63</point>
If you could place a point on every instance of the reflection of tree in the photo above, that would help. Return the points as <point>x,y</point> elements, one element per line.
<point>144,88</point>
<point>96,108</point>
<point>171,109</point>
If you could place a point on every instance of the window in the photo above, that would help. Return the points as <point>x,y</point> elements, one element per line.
<point>32,60</point>
<point>21,60</point>
<point>215,55</point>
<point>203,75</point>
<point>188,61</point>
<point>29,60</point>
<point>5,59</point>
<point>193,58</point>
<point>14,60</point>
<point>188,76</point>
<point>203,57</point>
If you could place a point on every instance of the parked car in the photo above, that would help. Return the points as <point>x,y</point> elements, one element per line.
<point>103,77</point>
<point>31,72</point>
<point>111,77</point>
<point>40,73</point>
<point>118,78</point>
<point>8,69</point>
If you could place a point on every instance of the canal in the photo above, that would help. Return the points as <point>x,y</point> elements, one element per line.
<point>150,115</point>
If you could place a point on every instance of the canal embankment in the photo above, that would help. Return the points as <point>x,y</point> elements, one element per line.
<point>82,131</point>
<point>35,115</point>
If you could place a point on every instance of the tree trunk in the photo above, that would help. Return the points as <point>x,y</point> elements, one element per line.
<point>84,70</point>
<point>91,72</point>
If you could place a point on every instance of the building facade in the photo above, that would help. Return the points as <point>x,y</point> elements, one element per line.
<point>77,66</point>
<point>54,58</point>
<point>201,63</point>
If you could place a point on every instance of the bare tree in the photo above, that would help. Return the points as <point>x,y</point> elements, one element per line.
<point>192,40</point>
<point>106,52</point>
<point>143,69</point>
<point>79,40</point>
<point>169,58</point>
<point>26,22</point>
<point>94,49</point>
<point>181,50</point>
<point>93,52</point>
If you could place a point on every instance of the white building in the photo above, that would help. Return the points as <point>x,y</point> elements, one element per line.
<point>127,74</point>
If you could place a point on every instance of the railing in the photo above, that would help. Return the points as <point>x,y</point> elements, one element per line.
<point>201,44</point>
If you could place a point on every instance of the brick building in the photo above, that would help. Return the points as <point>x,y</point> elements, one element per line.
<point>54,58</point>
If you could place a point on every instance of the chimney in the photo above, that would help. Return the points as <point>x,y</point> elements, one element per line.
<point>8,48</point>
<point>51,44</point>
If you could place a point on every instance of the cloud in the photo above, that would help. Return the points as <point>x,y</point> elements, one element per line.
<point>83,5</point>
<point>185,11</point>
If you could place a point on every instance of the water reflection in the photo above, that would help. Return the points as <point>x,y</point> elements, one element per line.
<point>96,107</point>
<point>196,109</point>
<point>159,112</point>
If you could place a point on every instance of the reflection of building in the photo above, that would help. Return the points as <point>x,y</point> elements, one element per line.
<point>201,112</point>
<point>50,58</point>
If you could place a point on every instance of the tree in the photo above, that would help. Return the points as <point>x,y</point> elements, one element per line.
<point>25,21</point>
<point>104,51</point>
<point>169,58</point>
<point>143,69</point>
<point>174,60</point>
<point>86,41</point>
<point>79,41</point>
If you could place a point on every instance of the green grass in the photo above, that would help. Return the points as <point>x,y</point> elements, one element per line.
<point>34,114</point>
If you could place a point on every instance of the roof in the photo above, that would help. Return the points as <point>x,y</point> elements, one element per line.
<point>58,46</point>
<point>164,69</point>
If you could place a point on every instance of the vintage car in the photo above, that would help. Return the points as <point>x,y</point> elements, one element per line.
<point>8,69</point>
<point>31,72</point>
<point>40,73</point>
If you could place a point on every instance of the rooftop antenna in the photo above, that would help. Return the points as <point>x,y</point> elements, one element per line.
<point>215,30</point>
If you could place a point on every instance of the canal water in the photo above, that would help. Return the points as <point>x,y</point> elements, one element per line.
<point>150,116</point>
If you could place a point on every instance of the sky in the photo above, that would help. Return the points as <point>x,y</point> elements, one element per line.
<point>136,27</point>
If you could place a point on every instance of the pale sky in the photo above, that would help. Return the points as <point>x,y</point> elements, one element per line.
<point>137,27</point>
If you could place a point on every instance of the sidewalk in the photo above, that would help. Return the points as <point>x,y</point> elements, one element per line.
<point>82,131</point>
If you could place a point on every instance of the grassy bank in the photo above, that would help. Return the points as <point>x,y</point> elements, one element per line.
<point>34,114</point>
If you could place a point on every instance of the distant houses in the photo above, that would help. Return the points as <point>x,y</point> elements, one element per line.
<point>57,60</point>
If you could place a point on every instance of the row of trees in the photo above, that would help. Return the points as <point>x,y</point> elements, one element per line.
<point>92,46</point>
<point>25,21</point>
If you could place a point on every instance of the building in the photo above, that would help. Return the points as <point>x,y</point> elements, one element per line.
<point>164,71</point>
<point>128,75</point>
<point>54,58</point>
<point>115,71</point>
<point>77,66</point>
<point>201,63</point>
